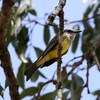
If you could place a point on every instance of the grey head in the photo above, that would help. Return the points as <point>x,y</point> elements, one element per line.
<point>72,33</point>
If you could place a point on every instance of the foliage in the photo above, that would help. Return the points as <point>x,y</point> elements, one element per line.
<point>19,36</point>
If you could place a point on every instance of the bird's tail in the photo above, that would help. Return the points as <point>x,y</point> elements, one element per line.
<point>30,71</point>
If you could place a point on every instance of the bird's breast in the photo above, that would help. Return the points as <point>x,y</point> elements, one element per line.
<point>65,45</point>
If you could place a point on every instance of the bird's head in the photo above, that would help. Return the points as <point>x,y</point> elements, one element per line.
<point>71,33</point>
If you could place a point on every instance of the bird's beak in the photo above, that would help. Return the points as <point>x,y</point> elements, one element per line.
<point>77,31</point>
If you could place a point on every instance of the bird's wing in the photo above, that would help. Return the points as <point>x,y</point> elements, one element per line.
<point>51,45</point>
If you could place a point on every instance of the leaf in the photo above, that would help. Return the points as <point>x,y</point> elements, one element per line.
<point>46,34</point>
<point>87,36</point>
<point>97,9</point>
<point>97,23</point>
<point>36,75</point>
<point>23,35</point>
<point>20,75</point>
<point>75,43</point>
<point>67,84</point>
<point>56,29</point>
<point>65,95</point>
<point>49,96</point>
<point>1,91</point>
<point>42,75</point>
<point>22,41</point>
<point>77,81</point>
<point>76,87</point>
<point>40,84</point>
<point>29,92</point>
<point>64,72</point>
<point>32,11</point>
<point>38,51</point>
<point>97,92</point>
<point>6,84</point>
<point>88,10</point>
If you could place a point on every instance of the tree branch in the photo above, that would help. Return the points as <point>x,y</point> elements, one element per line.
<point>57,10</point>
<point>82,20</point>
<point>4,54</point>
<point>61,28</point>
<point>41,87</point>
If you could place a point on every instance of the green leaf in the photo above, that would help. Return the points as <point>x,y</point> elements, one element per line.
<point>6,84</point>
<point>77,81</point>
<point>56,29</point>
<point>63,73</point>
<point>97,92</point>
<point>76,87</point>
<point>65,95</point>
<point>49,96</point>
<point>32,11</point>
<point>97,23</point>
<point>97,9</point>
<point>46,34</point>
<point>87,36</point>
<point>42,75</point>
<point>29,92</point>
<point>40,84</point>
<point>88,11</point>
<point>21,44</point>
<point>1,91</point>
<point>20,75</point>
<point>75,43</point>
<point>23,35</point>
<point>67,84</point>
<point>38,51</point>
<point>36,75</point>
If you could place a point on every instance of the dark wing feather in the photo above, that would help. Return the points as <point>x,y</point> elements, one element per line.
<point>51,45</point>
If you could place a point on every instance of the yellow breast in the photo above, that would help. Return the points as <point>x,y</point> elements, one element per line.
<point>65,43</point>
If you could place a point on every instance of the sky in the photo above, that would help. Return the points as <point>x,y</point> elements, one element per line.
<point>74,10</point>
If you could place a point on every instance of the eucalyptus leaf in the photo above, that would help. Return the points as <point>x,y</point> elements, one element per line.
<point>97,92</point>
<point>1,91</point>
<point>20,75</point>
<point>38,51</point>
<point>56,29</point>
<point>75,43</point>
<point>46,34</point>
<point>31,91</point>
<point>49,96</point>
<point>36,75</point>
<point>32,11</point>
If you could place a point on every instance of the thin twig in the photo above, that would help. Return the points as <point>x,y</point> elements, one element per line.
<point>82,20</point>
<point>41,87</point>
<point>72,60</point>
<point>75,65</point>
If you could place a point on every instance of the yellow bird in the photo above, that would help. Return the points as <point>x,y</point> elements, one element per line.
<point>50,54</point>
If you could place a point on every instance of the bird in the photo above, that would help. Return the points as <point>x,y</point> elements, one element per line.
<point>50,54</point>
